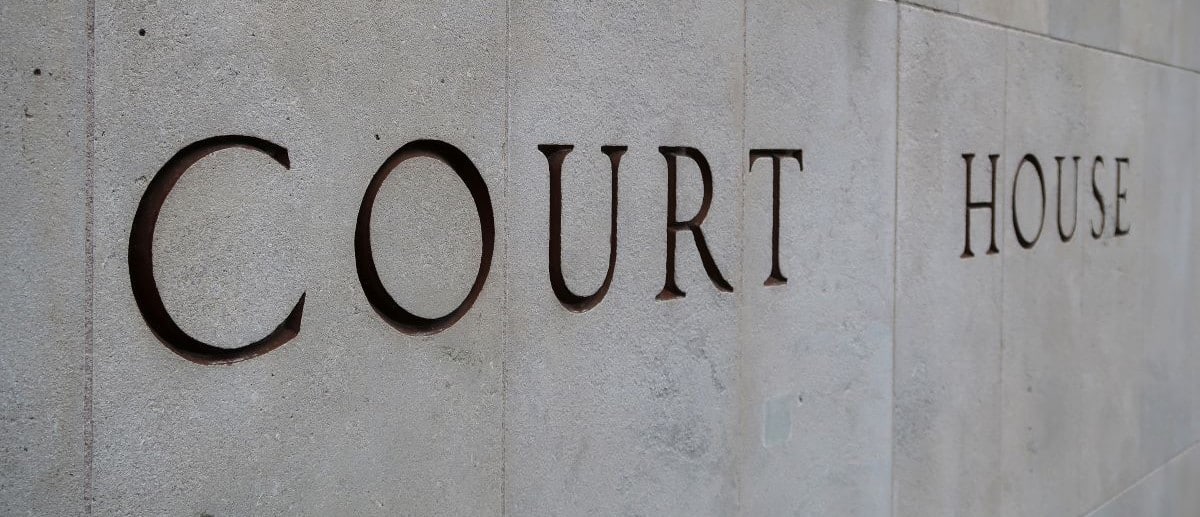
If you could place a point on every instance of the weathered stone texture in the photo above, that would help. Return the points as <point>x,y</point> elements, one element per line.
<point>44,309</point>
<point>889,374</point>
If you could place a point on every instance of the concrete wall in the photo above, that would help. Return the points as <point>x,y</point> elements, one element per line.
<point>887,375</point>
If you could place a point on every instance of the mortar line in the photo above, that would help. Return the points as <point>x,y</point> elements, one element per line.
<point>895,268</point>
<point>89,254</point>
<point>504,343</point>
<point>1001,395</point>
<point>1045,36</point>
<point>739,323</point>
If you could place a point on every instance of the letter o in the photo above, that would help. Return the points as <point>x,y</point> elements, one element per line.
<point>1037,167</point>
<point>364,259</point>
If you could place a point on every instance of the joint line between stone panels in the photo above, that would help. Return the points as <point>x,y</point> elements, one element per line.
<point>504,342</point>
<point>1045,36</point>
<point>1003,230</point>
<point>739,431</point>
<point>89,252</point>
<point>895,268</point>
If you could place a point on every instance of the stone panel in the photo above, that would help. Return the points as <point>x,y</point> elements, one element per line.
<point>1146,28</point>
<point>352,416</point>
<point>43,465</point>
<point>1043,372</point>
<point>1165,233</point>
<point>1090,22</point>
<point>1185,35</point>
<point>816,351</point>
<point>1168,491</point>
<point>629,407</point>
<point>1030,15</point>
<point>948,308</point>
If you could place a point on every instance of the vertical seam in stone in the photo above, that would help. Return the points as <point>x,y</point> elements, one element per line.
<point>504,313</point>
<point>895,269</point>
<point>89,275</point>
<point>738,429</point>
<point>1001,394</point>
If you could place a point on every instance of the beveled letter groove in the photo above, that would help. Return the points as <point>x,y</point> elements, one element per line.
<point>141,258</point>
<point>989,205</point>
<point>364,258</point>
<point>670,289</point>
<point>150,303</point>
<point>1022,239</point>
<point>1027,238</point>
<point>555,154</point>
<point>776,155</point>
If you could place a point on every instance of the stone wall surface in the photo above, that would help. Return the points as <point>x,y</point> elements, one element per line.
<point>600,258</point>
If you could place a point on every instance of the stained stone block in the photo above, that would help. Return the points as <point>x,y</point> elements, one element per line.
<point>353,415</point>
<point>815,337</point>
<point>44,311</point>
<point>948,307</point>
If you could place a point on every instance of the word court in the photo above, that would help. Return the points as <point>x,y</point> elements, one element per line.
<point>150,303</point>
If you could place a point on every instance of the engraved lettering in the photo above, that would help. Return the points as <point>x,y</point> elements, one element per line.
<point>670,289</point>
<point>1120,197</point>
<point>1096,233</point>
<point>368,275</point>
<point>555,154</point>
<point>141,259</point>
<point>1024,241</point>
<point>989,205</point>
<point>1062,233</point>
<point>776,155</point>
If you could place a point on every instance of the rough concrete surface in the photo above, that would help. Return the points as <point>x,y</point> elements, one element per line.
<point>729,341</point>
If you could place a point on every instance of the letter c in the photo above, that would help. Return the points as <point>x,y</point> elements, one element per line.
<point>141,260</point>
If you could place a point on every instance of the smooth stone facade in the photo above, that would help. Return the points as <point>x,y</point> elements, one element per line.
<point>838,355</point>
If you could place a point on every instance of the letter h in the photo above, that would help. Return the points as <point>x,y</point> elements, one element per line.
<point>989,205</point>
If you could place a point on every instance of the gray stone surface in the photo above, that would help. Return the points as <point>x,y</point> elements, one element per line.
<point>1030,15</point>
<point>888,375</point>
<point>815,353</point>
<point>1142,24</point>
<point>1093,392</point>
<point>1185,35</point>
<point>1091,22</point>
<point>1168,491</point>
<point>1168,411</point>
<point>1069,376</point>
<point>948,309</point>
<point>629,408</point>
<point>1163,31</point>
<point>352,416</point>
<point>43,313</point>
